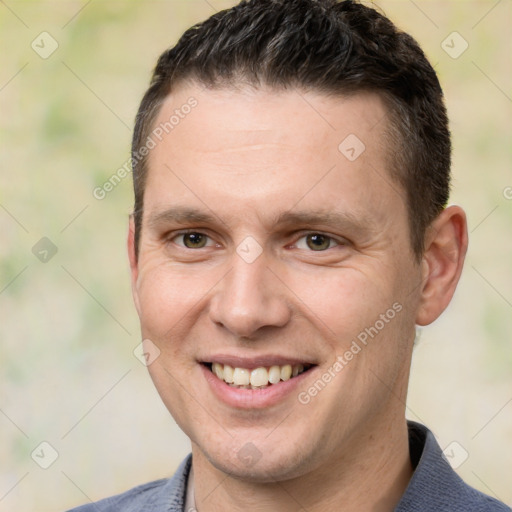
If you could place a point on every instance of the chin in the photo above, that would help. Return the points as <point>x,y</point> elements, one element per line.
<point>263,465</point>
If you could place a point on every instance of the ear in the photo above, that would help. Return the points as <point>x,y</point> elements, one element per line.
<point>134,266</point>
<point>446,243</point>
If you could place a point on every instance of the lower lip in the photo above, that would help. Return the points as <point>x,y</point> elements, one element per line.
<point>253,398</point>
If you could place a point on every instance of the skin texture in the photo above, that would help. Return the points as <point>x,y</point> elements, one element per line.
<point>245,158</point>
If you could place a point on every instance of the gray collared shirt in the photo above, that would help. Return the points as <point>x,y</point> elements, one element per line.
<point>434,487</point>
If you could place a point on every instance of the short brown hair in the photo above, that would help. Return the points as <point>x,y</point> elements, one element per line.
<point>337,48</point>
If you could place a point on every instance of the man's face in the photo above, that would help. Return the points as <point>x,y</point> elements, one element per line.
<point>270,239</point>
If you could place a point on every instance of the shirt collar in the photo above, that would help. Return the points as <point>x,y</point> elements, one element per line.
<point>432,484</point>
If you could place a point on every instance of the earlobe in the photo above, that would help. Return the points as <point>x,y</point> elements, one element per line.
<point>443,260</point>
<point>132,257</point>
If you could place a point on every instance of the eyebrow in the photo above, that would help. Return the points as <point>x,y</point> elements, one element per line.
<point>180,215</point>
<point>350,221</point>
<point>353,222</point>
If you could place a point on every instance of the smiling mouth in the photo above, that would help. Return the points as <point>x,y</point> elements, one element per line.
<point>258,378</point>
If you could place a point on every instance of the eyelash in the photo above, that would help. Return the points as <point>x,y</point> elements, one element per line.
<point>302,235</point>
<point>189,232</point>
<point>330,238</point>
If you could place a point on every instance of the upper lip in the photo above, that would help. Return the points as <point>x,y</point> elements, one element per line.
<point>263,360</point>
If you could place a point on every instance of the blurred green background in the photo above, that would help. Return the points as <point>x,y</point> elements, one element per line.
<point>68,328</point>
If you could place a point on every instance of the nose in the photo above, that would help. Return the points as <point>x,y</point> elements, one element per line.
<point>249,298</point>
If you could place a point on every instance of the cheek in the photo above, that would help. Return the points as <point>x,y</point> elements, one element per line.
<point>172,298</point>
<point>159,303</point>
<point>168,380</point>
<point>166,295</point>
<point>344,300</point>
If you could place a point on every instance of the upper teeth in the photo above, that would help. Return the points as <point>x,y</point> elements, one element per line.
<point>258,377</point>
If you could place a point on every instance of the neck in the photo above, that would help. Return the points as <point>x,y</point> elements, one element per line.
<point>372,475</point>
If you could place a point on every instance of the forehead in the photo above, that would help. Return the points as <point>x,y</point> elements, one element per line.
<point>230,116</point>
<point>267,149</point>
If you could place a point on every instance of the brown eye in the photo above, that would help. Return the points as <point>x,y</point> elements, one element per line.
<point>194,240</point>
<point>318,242</point>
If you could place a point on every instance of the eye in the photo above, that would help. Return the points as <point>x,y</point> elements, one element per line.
<point>316,242</point>
<point>192,240</point>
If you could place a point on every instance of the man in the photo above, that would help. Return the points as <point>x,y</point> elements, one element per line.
<point>291,171</point>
